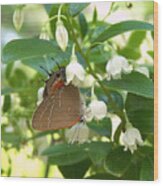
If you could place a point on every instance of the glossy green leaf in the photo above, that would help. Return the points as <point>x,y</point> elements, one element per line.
<point>7,90</point>
<point>75,171</point>
<point>132,48</point>
<point>103,127</point>
<point>83,25</point>
<point>11,138</point>
<point>119,28</point>
<point>35,53</point>
<point>151,53</point>
<point>99,56</point>
<point>27,48</point>
<point>7,103</point>
<point>133,172</point>
<point>102,176</point>
<point>140,112</point>
<point>97,151</point>
<point>134,82</point>
<point>147,170</point>
<point>118,100</point>
<point>118,162</point>
<point>65,154</point>
<point>75,8</point>
<point>95,15</point>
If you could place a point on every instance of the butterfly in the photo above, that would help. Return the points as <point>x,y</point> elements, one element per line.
<point>61,105</point>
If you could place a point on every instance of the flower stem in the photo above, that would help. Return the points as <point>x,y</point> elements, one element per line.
<point>118,111</point>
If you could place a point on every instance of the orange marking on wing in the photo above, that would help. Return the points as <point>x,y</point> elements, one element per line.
<point>57,85</point>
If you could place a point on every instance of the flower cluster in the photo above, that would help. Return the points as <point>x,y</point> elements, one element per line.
<point>77,76</point>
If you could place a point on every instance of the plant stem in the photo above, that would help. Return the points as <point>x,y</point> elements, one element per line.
<point>48,164</point>
<point>47,170</point>
<point>119,112</point>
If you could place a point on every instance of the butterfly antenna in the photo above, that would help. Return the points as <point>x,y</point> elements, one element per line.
<point>49,74</point>
<point>59,67</point>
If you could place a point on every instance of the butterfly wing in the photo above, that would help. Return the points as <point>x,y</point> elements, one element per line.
<point>59,110</point>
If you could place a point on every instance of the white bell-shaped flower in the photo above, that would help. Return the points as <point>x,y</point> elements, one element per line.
<point>78,133</point>
<point>40,95</point>
<point>61,35</point>
<point>18,18</point>
<point>96,109</point>
<point>116,66</point>
<point>74,71</point>
<point>132,138</point>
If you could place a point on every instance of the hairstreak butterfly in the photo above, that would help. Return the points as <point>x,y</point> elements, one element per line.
<point>61,105</point>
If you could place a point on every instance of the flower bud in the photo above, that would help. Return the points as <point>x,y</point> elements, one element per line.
<point>18,18</point>
<point>61,35</point>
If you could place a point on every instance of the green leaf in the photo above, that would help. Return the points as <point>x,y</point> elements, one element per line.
<point>140,112</point>
<point>147,170</point>
<point>132,49</point>
<point>95,30</point>
<point>118,100</point>
<point>134,82</point>
<point>118,162</point>
<point>18,79</point>
<point>102,176</point>
<point>65,154</point>
<point>11,138</point>
<point>95,15</point>
<point>103,127</point>
<point>7,90</point>
<point>75,8</point>
<point>83,24</point>
<point>75,171</point>
<point>7,103</point>
<point>122,27</point>
<point>136,38</point>
<point>98,55</point>
<point>133,173</point>
<point>130,53</point>
<point>34,53</point>
<point>97,151</point>
<point>151,53</point>
<point>27,48</point>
